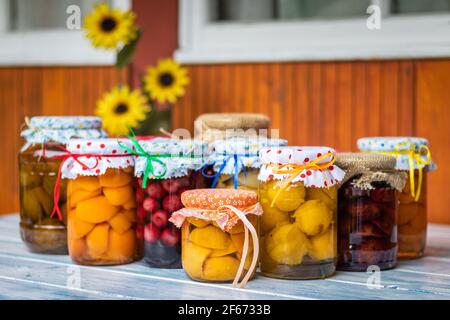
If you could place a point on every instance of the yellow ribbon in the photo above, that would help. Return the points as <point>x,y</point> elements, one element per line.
<point>295,170</point>
<point>416,156</point>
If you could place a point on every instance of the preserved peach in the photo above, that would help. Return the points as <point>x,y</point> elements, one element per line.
<point>210,237</point>
<point>119,196</point>
<point>95,210</point>
<point>289,199</point>
<point>81,195</point>
<point>86,184</point>
<point>115,179</point>
<point>121,245</point>
<point>313,217</point>
<point>220,268</point>
<point>120,223</point>
<point>97,240</point>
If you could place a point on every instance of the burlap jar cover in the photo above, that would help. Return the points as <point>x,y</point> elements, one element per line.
<point>365,168</point>
<point>214,126</point>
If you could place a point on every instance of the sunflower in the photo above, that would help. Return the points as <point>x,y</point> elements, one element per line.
<point>108,28</point>
<point>166,82</point>
<point>122,109</point>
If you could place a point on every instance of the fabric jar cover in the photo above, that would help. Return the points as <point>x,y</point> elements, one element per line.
<point>92,157</point>
<point>390,145</point>
<point>182,155</point>
<point>294,157</point>
<point>61,129</point>
<point>366,168</point>
<point>245,148</point>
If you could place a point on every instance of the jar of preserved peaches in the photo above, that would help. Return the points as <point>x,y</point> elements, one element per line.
<point>236,162</point>
<point>210,127</point>
<point>414,158</point>
<point>219,234</point>
<point>367,211</point>
<point>38,168</point>
<point>298,194</point>
<point>164,169</point>
<point>101,204</point>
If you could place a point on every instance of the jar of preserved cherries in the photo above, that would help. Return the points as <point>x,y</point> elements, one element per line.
<point>414,158</point>
<point>38,168</point>
<point>165,168</point>
<point>219,126</point>
<point>219,234</point>
<point>101,203</point>
<point>236,161</point>
<point>367,212</point>
<point>298,194</point>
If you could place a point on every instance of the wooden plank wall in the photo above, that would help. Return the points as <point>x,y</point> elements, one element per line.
<point>43,91</point>
<point>334,103</point>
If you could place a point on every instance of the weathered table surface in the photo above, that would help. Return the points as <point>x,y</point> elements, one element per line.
<point>24,275</point>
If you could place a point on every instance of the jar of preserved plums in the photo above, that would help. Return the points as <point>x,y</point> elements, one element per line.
<point>298,194</point>
<point>165,168</point>
<point>414,158</point>
<point>236,161</point>
<point>219,234</point>
<point>38,168</point>
<point>210,127</point>
<point>101,204</point>
<point>367,211</point>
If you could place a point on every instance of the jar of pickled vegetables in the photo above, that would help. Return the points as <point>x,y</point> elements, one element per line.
<point>165,168</point>
<point>218,126</point>
<point>236,161</point>
<point>367,211</point>
<point>413,158</point>
<point>219,234</point>
<point>298,194</point>
<point>101,202</point>
<point>38,169</point>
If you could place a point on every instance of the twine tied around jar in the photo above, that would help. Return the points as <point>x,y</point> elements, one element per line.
<point>294,170</point>
<point>237,158</point>
<point>413,154</point>
<point>64,157</point>
<point>256,209</point>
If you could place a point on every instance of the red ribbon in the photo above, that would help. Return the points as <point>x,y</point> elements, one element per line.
<point>75,156</point>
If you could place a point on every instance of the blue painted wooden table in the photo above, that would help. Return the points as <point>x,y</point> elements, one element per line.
<point>24,275</point>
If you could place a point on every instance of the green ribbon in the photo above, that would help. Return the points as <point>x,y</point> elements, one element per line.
<point>149,168</point>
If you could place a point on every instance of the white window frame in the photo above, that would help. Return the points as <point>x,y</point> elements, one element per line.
<point>47,48</point>
<point>400,37</point>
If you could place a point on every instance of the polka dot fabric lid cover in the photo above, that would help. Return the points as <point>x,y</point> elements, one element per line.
<point>92,157</point>
<point>204,204</point>
<point>298,156</point>
<point>61,129</point>
<point>247,149</point>
<point>187,154</point>
<point>388,144</point>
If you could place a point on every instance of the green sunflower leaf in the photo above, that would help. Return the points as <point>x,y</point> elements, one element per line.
<point>125,55</point>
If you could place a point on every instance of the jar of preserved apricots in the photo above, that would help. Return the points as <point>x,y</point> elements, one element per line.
<point>219,234</point>
<point>210,127</point>
<point>38,168</point>
<point>414,158</point>
<point>236,161</point>
<point>101,204</point>
<point>164,169</point>
<point>298,194</point>
<point>367,211</point>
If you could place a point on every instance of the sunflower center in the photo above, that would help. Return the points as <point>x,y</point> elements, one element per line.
<point>121,108</point>
<point>108,24</point>
<point>166,79</point>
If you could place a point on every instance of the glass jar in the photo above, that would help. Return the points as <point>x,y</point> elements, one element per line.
<point>413,158</point>
<point>236,161</point>
<point>213,236</point>
<point>211,127</point>
<point>178,170</point>
<point>38,169</point>
<point>102,219</point>
<point>367,213</point>
<point>298,194</point>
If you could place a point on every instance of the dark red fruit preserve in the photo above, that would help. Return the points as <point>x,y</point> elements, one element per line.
<point>156,202</point>
<point>367,227</point>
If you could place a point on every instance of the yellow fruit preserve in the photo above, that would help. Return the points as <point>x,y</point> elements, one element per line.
<point>414,158</point>
<point>101,206</point>
<point>214,225</point>
<point>38,169</point>
<point>236,161</point>
<point>298,194</point>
